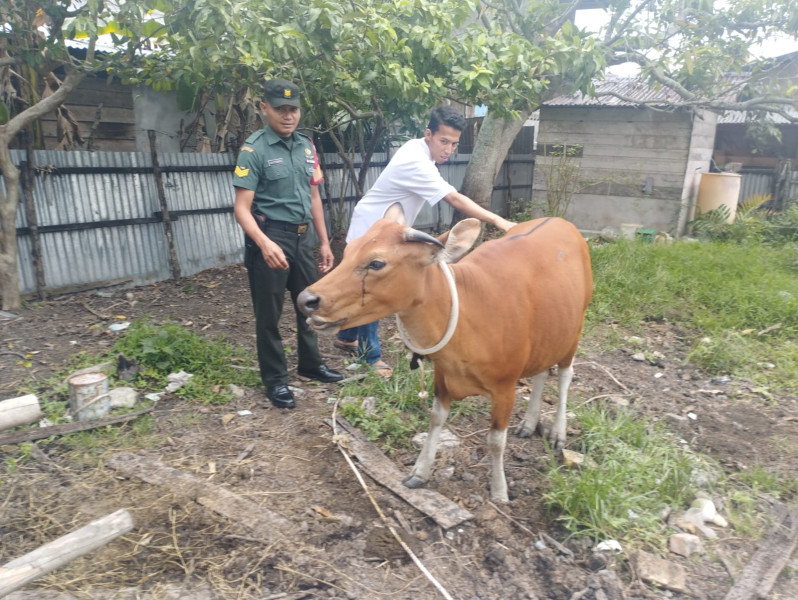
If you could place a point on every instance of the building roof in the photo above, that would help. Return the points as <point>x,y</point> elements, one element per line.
<point>632,90</point>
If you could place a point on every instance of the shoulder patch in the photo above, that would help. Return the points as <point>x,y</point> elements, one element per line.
<point>247,149</point>
<point>255,135</point>
<point>241,172</point>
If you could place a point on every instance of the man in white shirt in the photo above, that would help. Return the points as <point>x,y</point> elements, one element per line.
<point>411,178</point>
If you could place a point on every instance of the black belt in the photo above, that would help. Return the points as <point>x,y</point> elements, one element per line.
<point>286,226</point>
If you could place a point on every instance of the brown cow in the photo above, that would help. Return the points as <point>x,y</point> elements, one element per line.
<point>513,308</point>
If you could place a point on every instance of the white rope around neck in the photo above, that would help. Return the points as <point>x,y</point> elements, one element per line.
<point>453,317</point>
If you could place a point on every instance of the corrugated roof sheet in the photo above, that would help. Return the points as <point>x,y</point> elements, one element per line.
<point>738,117</point>
<point>631,89</point>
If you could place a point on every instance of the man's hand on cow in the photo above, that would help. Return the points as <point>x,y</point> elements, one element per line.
<point>273,255</point>
<point>326,258</point>
<point>504,224</point>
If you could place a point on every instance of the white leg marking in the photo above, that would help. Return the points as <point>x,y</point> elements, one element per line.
<point>423,467</point>
<point>532,417</point>
<point>557,437</point>
<point>498,485</point>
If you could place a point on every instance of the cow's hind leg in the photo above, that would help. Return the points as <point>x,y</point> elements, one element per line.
<point>423,467</point>
<point>532,416</point>
<point>557,435</point>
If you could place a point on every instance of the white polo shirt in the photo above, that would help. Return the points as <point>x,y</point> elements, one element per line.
<point>411,178</point>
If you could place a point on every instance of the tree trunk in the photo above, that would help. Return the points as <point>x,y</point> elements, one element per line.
<point>9,200</point>
<point>493,142</point>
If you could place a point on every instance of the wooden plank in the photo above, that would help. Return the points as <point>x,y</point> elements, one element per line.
<point>262,521</point>
<point>104,129</point>
<point>86,114</point>
<point>773,552</point>
<point>381,469</point>
<point>624,152</point>
<point>611,114</point>
<point>59,552</point>
<point>641,140</point>
<point>28,435</point>
<point>616,128</point>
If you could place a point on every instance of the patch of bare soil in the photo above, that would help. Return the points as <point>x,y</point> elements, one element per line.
<point>285,464</point>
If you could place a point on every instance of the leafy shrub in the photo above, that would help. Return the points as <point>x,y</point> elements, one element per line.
<point>170,348</point>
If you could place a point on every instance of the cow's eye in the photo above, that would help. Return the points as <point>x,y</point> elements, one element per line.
<point>376,265</point>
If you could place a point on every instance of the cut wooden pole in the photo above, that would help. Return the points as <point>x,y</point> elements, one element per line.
<point>28,435</point>
<point>23,410</point>
<point>63,550</point>
<point>772,553</point>
<point>267,524</point>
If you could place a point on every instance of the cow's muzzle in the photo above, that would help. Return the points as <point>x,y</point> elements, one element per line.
<point>309,303</point>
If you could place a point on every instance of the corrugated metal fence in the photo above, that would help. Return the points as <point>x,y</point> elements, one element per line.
<point>100,218</point>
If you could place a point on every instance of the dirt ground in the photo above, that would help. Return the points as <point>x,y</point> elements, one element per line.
<point>286,462</point>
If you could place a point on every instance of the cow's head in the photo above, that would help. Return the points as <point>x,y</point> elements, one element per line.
<point>382,272</point>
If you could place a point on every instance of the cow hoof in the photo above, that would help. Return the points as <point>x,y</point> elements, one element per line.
<point>413,482</point>
<point>524,431</point>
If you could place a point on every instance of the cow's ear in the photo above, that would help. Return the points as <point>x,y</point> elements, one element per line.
<point>395,213</point>
<point>461,237</point>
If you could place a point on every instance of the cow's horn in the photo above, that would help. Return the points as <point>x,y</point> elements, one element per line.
<point>414,235</point>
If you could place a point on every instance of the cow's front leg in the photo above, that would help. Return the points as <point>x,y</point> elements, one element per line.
<point>497,440</point>
<point>423,467</point>
<point>532,416</point>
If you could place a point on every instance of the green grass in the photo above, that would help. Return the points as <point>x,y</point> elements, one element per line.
<point>170,348</point>
<point>159,350</point>
<point>725,292</point>
<point>399,413</point>
<point>632,472</point>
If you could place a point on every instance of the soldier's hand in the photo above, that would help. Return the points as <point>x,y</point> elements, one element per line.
<point>273,255</point>
<point>326,258</point>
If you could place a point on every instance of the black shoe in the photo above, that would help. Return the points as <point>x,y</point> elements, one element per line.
<point>281,396</point>
<point>321,373</point>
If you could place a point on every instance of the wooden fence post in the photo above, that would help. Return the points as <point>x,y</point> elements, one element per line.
<point>174,263</point>
<point>28,182</point>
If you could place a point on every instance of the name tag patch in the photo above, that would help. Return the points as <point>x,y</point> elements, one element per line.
<point>275,161</point>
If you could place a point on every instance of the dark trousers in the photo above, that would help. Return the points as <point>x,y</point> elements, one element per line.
<point>267,287</point>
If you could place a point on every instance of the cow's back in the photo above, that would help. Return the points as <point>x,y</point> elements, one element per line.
<point>523,299</point>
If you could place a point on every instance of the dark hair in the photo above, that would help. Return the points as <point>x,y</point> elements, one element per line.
<point>446,115</point>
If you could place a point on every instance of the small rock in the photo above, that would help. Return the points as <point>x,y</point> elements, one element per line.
<point>685,544</point>
<point>447,440</point>
<point>445,472</point>
<point>639,357</point>
<point>572,459</point>
<point>475,499</point>
<point>495,556</point>
<point>122,397</point>
<point>660,571</point>
<point>235,390</point>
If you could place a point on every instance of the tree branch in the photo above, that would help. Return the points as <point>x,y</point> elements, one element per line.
<point>621,29</point>
<point>41,108</point>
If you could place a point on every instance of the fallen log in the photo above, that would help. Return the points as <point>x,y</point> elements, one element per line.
<point>23,410</point>
<point>264,522</point>
<point>381,469</point>
<point>28,435</point>
<point>772,553</point>
<point>63,550</point>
